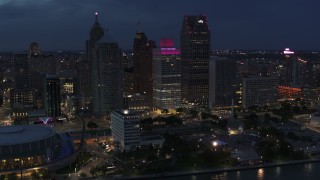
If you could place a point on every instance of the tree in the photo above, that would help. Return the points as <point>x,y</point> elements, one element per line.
<point>193,113</point>
<point>205,115</point>
<point>93,171</point>
<point>92,125</point>
<point>12,176</point>
<point>164,111</point>
<point>180,110</point>
<point>267,116</point>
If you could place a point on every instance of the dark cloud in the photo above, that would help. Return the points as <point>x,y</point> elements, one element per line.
<point>235,24</point>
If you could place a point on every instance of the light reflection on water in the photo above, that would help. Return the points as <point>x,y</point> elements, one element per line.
<point>238,174</point>
<point>278,171</point>
<point>290,172</point>
<point>308,167</point>
<point>221,176</point>
<point>260,174</point>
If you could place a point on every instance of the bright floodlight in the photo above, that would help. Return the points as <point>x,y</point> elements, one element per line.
<point>96,13</point>
<point>215,144</point>
<point>287,51</point>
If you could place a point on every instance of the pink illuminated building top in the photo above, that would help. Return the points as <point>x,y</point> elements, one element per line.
<point>167,48</point>
<point>166,43</point>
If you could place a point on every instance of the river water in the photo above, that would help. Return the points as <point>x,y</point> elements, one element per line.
<point>307,171</point>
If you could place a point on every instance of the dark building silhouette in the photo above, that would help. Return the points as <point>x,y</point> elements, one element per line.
<point>223,82</point>
<point>21,71</point>
<point>195,55</point>
<point>107,76</point>
<point>142,65</point>
<point>84,68</point>
<point>34,49</point>
<point>52,95</point>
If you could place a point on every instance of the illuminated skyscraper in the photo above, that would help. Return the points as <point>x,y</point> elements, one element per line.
<point>195,55</point>
<point>166,76</point>
<point>142,65</point>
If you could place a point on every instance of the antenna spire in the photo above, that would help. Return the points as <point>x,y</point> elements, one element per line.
<point>96,14</point>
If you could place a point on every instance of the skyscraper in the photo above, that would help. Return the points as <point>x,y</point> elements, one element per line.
<point>34,49</point>
<point>142,65</point>
<point>21,71</point>
<point>166,76</point>
<point>52,95</point>
<point>195,55</point>
<point>223,82</point>
<point>106,76</point>
<point>84,66</point>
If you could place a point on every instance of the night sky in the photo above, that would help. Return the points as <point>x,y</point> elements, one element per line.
<point>234,24</point>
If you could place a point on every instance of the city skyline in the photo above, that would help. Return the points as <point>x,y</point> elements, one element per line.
<point>234,25</point>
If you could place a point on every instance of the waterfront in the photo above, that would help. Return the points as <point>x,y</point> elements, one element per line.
<point>300,171</point>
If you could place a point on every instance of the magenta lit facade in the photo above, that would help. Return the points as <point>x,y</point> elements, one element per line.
<point>166,76</point>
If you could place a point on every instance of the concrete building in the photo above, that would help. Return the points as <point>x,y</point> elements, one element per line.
<point>125,129</point>
<point>136,102</point>
<point>223,82</point>
<point>21,72</point>
<point>166,76</point>
<point>142,66</point>
<point>107,86</point>
<point>195,42</point>
<point>85,65</point>
<point>259,91</point>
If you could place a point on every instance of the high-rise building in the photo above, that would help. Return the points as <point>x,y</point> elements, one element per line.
<point>106,76</point>
<point>52,95</point>
<point>84,77</point>
<point>259,91</point>
<point>34,49</point>
<point>142,65</point>
<point>223,82</point>
<point>295,69</point>
<point>125,129</point>
<point>21,71</point>
<point>166,76</point>
<point>195,55</point>
<point>84,68</point>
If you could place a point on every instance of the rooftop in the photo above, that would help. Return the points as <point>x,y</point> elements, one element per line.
<point>19,134</point>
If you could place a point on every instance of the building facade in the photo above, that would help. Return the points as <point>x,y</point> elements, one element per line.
<point>223,82</point>
<point>125,129</point>
<point>21,72</point>
<point>107,86</point>
<point>85,63</point>
<point>195,54</point>
<point>259,91</point>
<point>52,95</point>
<point>166,76</point>
<point>142,66</point>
